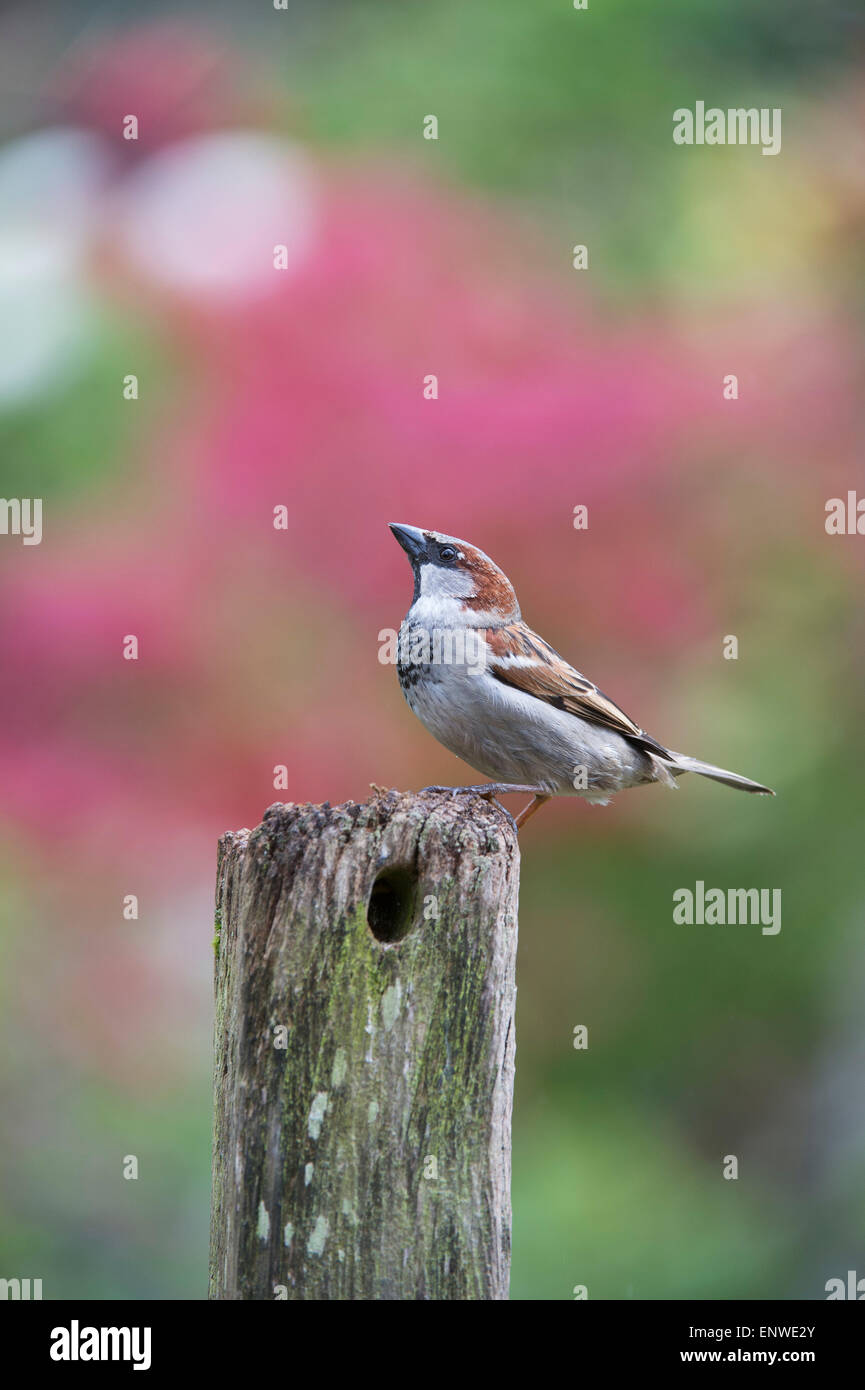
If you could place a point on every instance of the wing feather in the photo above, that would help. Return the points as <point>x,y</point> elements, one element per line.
<point>520,658</point>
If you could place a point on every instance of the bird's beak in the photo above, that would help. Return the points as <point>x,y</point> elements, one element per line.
<point>412,541</point>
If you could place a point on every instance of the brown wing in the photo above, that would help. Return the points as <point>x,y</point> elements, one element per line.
<point>550,678</point>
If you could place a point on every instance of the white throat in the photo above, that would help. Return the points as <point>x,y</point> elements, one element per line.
<point>440,601</point>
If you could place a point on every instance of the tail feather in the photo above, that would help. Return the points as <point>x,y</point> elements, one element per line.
<point>681,763</point>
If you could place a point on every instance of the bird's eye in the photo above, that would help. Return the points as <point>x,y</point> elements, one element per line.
<point>448,552</point>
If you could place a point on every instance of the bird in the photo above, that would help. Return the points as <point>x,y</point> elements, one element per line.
<point>504,701</point>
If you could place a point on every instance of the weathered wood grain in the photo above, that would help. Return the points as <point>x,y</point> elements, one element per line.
<point>364,1151</point>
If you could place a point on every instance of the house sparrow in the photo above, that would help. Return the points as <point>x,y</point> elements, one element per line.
<point>496,694</point>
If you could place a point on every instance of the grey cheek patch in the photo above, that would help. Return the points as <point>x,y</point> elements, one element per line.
<point>436,581</point>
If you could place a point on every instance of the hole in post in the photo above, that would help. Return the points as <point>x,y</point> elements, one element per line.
<point>390,910</point>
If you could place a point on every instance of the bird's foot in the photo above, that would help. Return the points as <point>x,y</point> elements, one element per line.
<point>488,790</point>
<point>491,790</point>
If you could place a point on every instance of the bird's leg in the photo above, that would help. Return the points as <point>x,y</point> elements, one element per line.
<point>529,810</point>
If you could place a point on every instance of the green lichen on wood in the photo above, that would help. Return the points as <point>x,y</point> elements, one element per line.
<point>217,931</point>
<point>379,1136</point>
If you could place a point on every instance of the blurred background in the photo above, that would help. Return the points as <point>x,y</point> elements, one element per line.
<point>303,387</point>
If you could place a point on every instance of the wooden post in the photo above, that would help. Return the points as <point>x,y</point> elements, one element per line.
<point>364,1046</point>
